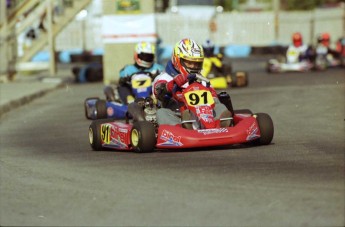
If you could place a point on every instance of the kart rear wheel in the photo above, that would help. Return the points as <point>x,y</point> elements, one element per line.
<point>95,133</point>
<point>143,137</point>
<point>101,107</point>
<point>241,79</point>
<point>266,129</point>
<point>269,67</point>
<point>238,79</point>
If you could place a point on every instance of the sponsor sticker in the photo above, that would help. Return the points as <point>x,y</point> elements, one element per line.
<point>252,132</point>
<point>110,111</point>
<point>212,131</point>
<point>170,139</point>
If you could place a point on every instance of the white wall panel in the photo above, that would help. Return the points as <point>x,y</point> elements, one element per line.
<point>248,28</point>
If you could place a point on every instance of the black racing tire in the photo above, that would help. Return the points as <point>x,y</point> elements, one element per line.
<point>101,107</point>
<point>85,108</point>
<point>269,67</point>
<point>143,137</point>
<point>227,68</point>
<point>266,129</point>
<point>95,133</point>
<point>233,81</point>
<point>243,111</point>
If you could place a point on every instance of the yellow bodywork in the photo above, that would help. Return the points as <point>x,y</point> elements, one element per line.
<point>216,82</point>
<point>219,83</point>
<point>207,65</point>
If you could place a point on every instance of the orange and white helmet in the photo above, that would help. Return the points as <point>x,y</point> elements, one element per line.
<point>144,54</point>
<point>188,57</point>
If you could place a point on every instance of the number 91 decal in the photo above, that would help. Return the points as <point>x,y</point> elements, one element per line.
<point>202,97</point>
<point>105,133</point>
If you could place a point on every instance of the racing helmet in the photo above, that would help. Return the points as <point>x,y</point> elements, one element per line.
<point>297,39</point>
<point>325,39</point>
<point>188,57</point>
<point>208,47</point>
<point>144,54</point>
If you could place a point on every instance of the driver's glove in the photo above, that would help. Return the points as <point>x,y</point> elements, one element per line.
<point>124,80</point>
<point>177,93</point>
<point>180,79</point>
<point>178,96</point>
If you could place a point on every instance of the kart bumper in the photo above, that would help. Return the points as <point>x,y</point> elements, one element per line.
<point>177,137</point>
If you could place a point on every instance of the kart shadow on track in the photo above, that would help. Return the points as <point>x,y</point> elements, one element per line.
<point>231,147</point>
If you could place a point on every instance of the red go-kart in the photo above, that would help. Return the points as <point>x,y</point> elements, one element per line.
<point>199,129</point>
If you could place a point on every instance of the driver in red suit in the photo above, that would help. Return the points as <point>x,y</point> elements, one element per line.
<point>187,60</point>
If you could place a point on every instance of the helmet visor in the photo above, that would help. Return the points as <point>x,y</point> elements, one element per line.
<point>146,57</point>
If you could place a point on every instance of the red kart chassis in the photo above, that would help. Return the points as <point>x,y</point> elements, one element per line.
<point>121,136</point>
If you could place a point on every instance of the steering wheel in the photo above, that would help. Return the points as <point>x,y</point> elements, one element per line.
<point>198,77</point>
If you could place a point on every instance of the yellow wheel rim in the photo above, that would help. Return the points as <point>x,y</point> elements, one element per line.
<point>91,135</point>
<point>135,137</point>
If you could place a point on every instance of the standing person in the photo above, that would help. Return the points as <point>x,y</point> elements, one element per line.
<point>144,56</point>
<point>298,51</point>
<point>186,60</point>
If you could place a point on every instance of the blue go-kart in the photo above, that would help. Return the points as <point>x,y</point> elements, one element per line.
<point>96,108</point>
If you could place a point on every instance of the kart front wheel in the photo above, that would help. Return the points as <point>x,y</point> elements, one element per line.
<point>87,107</point>
<point>95,133</point>
<point>101,108</point>
<point>269,67</point>
<point>266,129</point>
<point>143,137</point>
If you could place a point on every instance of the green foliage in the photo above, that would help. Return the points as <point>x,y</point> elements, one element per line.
<point>290,5</point>
<point>305,4</point>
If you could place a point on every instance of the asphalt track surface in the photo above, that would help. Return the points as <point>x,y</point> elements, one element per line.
<point>51,177</point>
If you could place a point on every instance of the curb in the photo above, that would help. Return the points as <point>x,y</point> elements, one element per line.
<point>7,107</point>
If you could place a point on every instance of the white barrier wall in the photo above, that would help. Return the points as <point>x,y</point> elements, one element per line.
<point>290,22</point>
<point>254,29</point>
<point>71,37</point>
<point>329,19</point>
<point>173,27</point>
<point>248,28</point>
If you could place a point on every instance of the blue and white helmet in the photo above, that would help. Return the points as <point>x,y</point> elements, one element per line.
<point>144,54</point>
